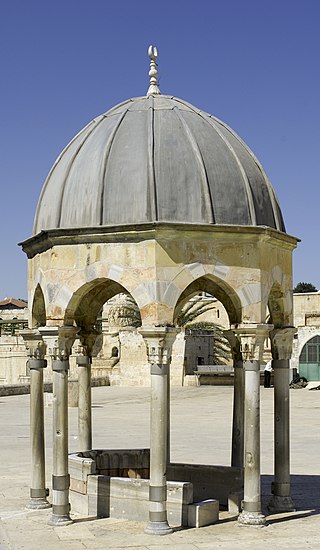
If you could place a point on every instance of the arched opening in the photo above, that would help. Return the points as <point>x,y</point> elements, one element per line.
<point>309,360</point>
<point>38,309</point>
<point>87,302</point>
<point>209,364</point>
<point>213,287</point>
<point>105,310</point>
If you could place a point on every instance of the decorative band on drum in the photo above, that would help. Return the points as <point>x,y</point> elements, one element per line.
<point>158,494</point>
<point>35,364</point>
<point>60,366</point>
<point>158,516</point>
<point>160,370</point>
<point>60,509</point>
<point>60,483</point>
<point>251,506</point>
<point>83,361</point>
<point>38,493</point>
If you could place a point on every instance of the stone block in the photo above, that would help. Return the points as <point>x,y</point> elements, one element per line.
<point>80,468</point>
<point>129,499</point>
<point>203,513</point>
<point>78,486</point>
<point>80,503</point>
<point>234,502</point>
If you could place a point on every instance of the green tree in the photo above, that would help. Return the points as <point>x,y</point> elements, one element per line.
<point>186,319</point>
<point>305,287</point>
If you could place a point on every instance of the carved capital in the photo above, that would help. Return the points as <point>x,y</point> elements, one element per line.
<point>35,346</point>
<point>159,341</point>
<point>234,342</point>
<point>251,339</point>
<point>281,342</point>
<point>59,341</point>
<point>87,340</point>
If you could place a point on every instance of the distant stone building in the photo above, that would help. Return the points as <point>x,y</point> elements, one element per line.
<point>13,318</point>
<point>306,349</point>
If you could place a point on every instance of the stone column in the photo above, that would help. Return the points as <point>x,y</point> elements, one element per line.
<point>252,339</point>
<point>59,342</point>
<point>159,342</point>
<point>36,351</point>
<point>238,401</point>
<point>87,339</point>
<point>281,500</point>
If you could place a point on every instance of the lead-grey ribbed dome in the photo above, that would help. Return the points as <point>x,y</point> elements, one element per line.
<point>156,158</point>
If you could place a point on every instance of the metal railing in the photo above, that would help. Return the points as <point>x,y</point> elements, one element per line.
<point>12,327</point>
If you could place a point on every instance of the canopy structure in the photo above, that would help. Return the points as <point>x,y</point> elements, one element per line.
<point>159,200</point>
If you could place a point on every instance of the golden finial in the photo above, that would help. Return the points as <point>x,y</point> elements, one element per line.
<point>153,73</point>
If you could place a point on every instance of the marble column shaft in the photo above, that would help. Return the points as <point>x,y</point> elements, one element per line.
<point>84,405</point>
<point>281,500</point>
<point>59,341</point>
<point>36,349</point>
<point>159,344</point>
<point>252,337</point>
<point>38,491</point>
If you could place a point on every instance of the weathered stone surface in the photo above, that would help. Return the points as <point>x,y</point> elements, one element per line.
<point>203,513</point>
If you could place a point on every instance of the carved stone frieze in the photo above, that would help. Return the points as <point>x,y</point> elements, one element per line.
<point>59,341</point>
<point>35,346</point>
<point>252,339</point>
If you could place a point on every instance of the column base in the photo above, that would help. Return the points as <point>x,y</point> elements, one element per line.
<point>278,504</point>
<point>158,528</point>
<point>38,504</point>
<point>253,519</point>
<point>59,521</point>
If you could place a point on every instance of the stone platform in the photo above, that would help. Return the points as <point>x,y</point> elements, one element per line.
<point>200,434</point>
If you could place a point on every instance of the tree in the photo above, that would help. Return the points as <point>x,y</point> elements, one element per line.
<point>186,319</point>
<point>305,287</point>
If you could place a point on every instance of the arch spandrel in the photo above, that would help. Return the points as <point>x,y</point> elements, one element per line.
<point>38,309</point>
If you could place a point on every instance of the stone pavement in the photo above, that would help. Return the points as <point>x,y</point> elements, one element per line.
<point>200,432</point>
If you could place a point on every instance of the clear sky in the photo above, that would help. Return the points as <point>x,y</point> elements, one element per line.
<point>252,63</point>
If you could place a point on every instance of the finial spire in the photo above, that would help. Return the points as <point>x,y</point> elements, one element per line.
<point>153,73</point>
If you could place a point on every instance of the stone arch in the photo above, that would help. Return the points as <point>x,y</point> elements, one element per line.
<point>219,289</point>
<point>38,310</point>
<point>88,300</point>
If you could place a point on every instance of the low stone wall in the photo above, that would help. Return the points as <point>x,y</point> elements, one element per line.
<point>22,389</point>
<point>208,481</point>
<point>109,483</point>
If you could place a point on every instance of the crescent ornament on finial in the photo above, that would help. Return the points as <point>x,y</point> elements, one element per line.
<point>153,73</point>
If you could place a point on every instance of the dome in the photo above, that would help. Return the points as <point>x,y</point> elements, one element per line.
<point>156,158</point>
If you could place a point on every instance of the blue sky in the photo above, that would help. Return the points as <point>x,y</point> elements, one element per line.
<point>252,63</point>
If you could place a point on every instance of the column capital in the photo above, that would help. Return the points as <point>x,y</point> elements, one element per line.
<point>35,346</point>
<point>159,341</point>
<point>87,339</point>
<point>251,339</point>
<point>59,341</point>
<point>281,342</point>
<point>234,342</point>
